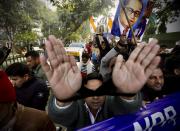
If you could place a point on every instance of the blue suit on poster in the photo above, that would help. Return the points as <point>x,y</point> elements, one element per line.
<point>116,30</point>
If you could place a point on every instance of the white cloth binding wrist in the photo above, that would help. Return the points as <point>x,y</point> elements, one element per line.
<point>62,107</point>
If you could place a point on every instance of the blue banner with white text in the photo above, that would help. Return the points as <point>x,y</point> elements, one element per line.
<point>163,114</point>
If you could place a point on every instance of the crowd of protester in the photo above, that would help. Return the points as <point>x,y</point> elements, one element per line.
<point>114,78</point>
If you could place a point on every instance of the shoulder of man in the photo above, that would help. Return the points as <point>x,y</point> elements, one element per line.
<point>38,118</point>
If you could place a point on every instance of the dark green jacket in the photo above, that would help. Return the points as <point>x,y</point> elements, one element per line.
<point>39,73</point>
<point>76,116</point>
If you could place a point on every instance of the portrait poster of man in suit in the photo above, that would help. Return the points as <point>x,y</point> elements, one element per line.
<point>137,17</point>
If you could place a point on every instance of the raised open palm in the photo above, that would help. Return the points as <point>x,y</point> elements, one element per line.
<point>62,72</point>
<point>130,76</point>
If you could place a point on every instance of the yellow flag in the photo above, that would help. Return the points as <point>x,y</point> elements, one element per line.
<point>92,24</point>
<point>110,23</point>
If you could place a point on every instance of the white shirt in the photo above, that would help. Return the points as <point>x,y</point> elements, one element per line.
<point>121,28</point>
<point>92,118</point>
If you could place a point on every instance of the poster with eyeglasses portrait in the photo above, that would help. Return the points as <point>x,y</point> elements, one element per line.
<point>132,16</point>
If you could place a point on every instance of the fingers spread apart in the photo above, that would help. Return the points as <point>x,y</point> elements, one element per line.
<point>58,48</point>
<point>145,53</point>
<point>51,55</point>
<point>118,63</point>
<point>46,67</point>
<point>136,52</point>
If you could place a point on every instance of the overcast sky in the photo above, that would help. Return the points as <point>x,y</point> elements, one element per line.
<point>174,27</point>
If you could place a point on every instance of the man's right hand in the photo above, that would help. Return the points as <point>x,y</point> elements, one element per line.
<point>129,77</point>
<point>62,72</point>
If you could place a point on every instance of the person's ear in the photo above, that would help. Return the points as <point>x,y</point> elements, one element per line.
<point>26,77</point>
<point>177,71</point>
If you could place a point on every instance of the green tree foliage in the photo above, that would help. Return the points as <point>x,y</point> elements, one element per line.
<point>71,21</point>
<point>17,16</point>
<point>50,23</point>
<point>166,11</point>
<point>26,37</point>
<point>11,16</point>
<point>73,13</point>
<point>151,27</point>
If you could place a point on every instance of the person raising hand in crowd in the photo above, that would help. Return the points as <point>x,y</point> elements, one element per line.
<point>128,77</point>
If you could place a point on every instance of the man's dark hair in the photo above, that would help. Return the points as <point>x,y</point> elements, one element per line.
<point>18,69</point>
<point>33,54</point>
<point>173,62</point>
<point>176,50</point>
<point>85,55</point>
<point>92,76</point>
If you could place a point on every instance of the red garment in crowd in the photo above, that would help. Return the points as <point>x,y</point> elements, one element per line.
<point>89,48</point>
<point>7,91</point>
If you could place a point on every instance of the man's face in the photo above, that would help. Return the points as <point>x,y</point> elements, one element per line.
<point>103,45</point>
<point>156,80</point>
<point>31,62</point>
<point>101,30</point>
<point>17,81</point>
<point>133,10</point>
<point>85,59</point>
<point>94,102</point>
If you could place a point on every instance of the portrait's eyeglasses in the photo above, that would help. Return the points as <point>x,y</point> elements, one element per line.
<point>131,11</point>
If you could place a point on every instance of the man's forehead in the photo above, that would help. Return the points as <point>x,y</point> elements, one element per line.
<point>30,58</point>
<point>15,77</point>
<point>157,72</point>
<point>135,4</point>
